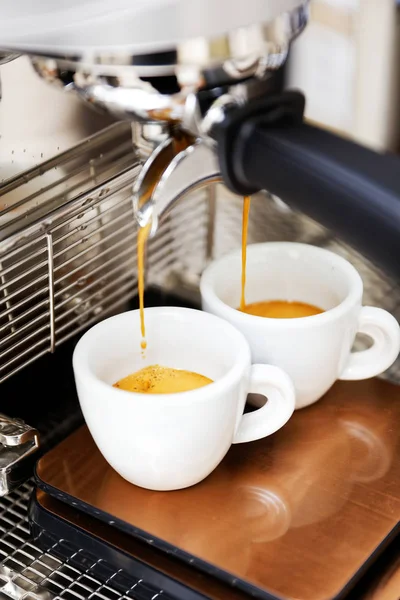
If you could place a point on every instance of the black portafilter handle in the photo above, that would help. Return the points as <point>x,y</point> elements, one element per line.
<point>353,191</point>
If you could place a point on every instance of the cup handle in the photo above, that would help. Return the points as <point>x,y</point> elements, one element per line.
<point>384,330</point>
<point>273,383</point>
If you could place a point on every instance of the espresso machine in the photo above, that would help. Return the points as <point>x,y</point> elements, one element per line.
<point>206,85</point>
<point>201,116</point>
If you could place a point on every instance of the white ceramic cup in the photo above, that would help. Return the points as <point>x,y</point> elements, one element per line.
<point>172,441</point>
<point>315,351</point>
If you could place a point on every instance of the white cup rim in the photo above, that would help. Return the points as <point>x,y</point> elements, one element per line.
<point>353,297</point>
<point>242,357</point>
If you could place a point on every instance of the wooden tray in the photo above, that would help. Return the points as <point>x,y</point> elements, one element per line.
<point>302,514</point>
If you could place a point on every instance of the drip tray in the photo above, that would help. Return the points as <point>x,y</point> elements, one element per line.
<point>301,514</point>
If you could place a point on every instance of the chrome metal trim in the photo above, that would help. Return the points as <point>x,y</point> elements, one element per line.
<point>17,442</point>
<point>138,86</point>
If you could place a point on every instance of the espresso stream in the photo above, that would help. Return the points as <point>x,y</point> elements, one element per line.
<point>272,309</point>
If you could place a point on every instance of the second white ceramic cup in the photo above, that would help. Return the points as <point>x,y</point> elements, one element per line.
<point>172,441</point>
<point>315,351</point>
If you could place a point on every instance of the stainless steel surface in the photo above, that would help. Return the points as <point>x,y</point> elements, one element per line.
<point>67,246</point>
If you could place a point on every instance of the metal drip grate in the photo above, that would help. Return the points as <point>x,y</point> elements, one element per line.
<point>26,572</point>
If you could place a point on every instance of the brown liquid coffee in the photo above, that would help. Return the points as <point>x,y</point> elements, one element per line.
<point>156,379</point>
<point>281,309</point>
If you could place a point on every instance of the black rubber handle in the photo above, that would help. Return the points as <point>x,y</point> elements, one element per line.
<point>353,191</point>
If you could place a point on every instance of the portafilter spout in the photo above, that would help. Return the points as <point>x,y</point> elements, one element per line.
<point>175,168</point>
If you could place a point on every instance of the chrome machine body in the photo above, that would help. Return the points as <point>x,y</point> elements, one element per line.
<point>178,64</point>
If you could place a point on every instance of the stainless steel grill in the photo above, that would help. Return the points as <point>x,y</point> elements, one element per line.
<point>67,248</point>
<point>68,245</point>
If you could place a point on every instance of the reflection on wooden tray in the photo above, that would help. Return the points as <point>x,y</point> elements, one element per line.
<point>298,515</point>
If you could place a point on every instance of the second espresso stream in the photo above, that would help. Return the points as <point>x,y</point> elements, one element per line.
<point>272,309</point>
